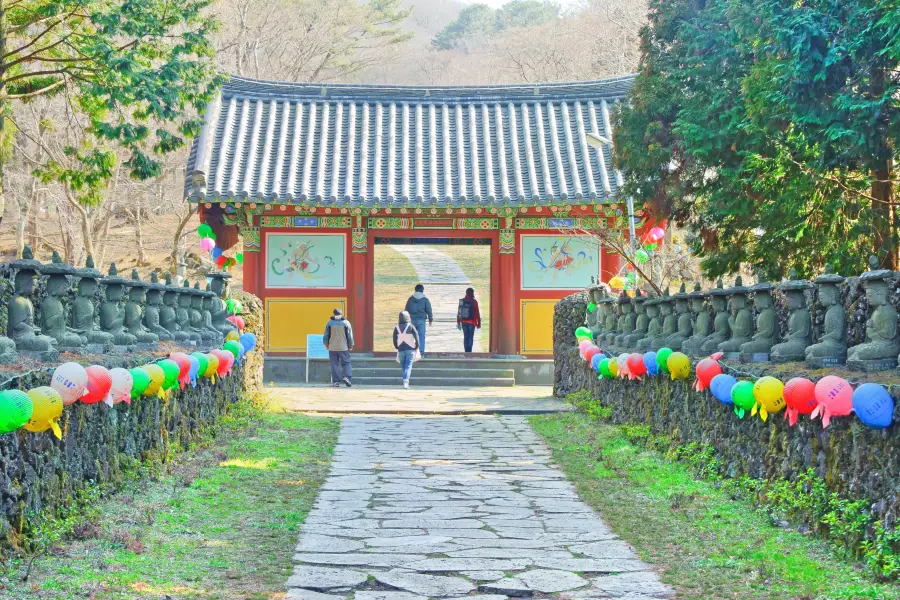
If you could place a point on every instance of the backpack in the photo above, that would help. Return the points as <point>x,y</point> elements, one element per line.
<point>464,312</point>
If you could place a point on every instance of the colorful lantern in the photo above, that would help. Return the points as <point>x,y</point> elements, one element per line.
<point>706,370</point>
<point>720,386</point>
<point>172,372</point>
<point>651,364</point>
<point>874,405</point>
<point>617,283</point>
<point>194,370</point>
<point>595,361</point>
<point>662,359</point>
<point>122,382</point>
<point>98,385</point>
<point>769,394</point>
<point>622,361</point>
<point>15,410</point>
<point>212,366</point>
<point>679,365</point>
<point>157,378</point>
<point>205,231</point>
<point>207,244</point>
<point>657,233</point>
<point>636,366</point>
<point>239,257</point>
<point>233,346</point>
<point>47,407</point>
<point>184,367</point>
<point>742,397</point>
<point>799,397</point>
<point>248,341</point>
<point>834,397</point>
<point>70,380</point>
<point>140,382</point>
<point>641,256</point>
<point>613,366</point>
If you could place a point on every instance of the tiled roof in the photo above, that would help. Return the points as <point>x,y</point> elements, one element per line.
<point>383,145</point>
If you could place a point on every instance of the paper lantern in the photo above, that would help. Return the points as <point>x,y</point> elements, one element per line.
<point>140,382</point>
<point>157,378</point>
<point>720,386</point>
<point>617,283</point>
<point>583,346</point>
<point>195,370</point>
<point>657,233</point>
<point>70,380</point>
<point>225,362</point>
<point>221,260</point>
<point>248,340</point>
<point>595,361</point>
<point>184,367</point>
<point>207,244</point>
<point>662,359</point>
<point>122,382</point>
<point>204,231</point>
<point>636,366</point>
<point>742,397</point>
<point>799,397</point>
<point>650,363</point>
<point>212,366</point>
<point>706,370</point>
<point>622,361</point>
<point>649,246</point>
<point>47,407</point>
<point>239,257</point>
<point>834,398</point>
<point>679,365</point>
<point>233,346</point>
<point>232,336</point>
<point>203,359</point>
<point>15,410</point>
<point>874,405</point>
<point>769,394</point>
<point>172,372</point>
<point>641,256</point>
<point>98,385</point>
<point>613,367</point>
<point>241,324</point>
<point>216,253</point>
<point>603,369</point>
<point>591,307</point>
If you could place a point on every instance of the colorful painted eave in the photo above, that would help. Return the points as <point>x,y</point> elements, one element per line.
<point>397,146</point>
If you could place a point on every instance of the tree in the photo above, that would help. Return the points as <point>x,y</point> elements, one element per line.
<point>473,22</point>
<point>137,71</point>
<point>526,13</point>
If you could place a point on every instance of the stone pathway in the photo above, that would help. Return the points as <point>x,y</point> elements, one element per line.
<point>445,283</point>
<point>453,507</point>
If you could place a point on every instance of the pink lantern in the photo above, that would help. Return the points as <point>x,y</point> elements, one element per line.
<point>207,244</point>
<point>583,346</point>
<point>122,382</point>
<point>70,380</point>
<point>657,233</point>
<point>835,399</point>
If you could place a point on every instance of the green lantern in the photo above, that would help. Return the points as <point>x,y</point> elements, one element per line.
<point>641,256</point>
<point>203,360</point>
<point>743,398</point>
<point>603,369</point>
<point>16,409</point>
<point>662,359</point>
<point>233,347</point>
<point>140,380</point>
<point>205,231</point>
<point>584,332</point>
<point>592,307</point>
<point>172,371</point>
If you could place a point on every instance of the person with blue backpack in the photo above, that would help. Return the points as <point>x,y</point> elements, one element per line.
<point>468,318</point>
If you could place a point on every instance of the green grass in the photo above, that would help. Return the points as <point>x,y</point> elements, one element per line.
<point>708,545</point>
<point>222,524</point>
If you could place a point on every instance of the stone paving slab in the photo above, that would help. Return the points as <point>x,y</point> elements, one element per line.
<point>456,507</point>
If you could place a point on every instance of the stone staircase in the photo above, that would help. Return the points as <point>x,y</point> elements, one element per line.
<point>429,372</point>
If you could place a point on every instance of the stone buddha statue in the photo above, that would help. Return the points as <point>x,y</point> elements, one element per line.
<point>84,310</point>
<point>700,322</point>
<point>879,350</point>
<point>590,317</point>
<point>625,325</point>
<point>740,321</point>
<point>759,346</point>
<point>641,322</point>
<point>604,307</point>
<point>210,302</point>
<point>21,326</point>
<point>168,312</point>
<point>668,320</point>
<point>183,312</point>
<point>684,323</point>
<point>112,316</point>
<point>831,348</point>
<point>197,296</point>
<point>134,310</point>
<point>721,328</point>
<point>654,325</point>
<point>219,314</point>
<point>799,327</point>
<point>54,307</point>
<point>612,322</point>
<point>151,319</point>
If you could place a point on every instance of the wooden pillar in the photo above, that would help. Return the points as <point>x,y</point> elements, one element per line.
<point>610,263</point>
<point>360,290</point>
<point>504,287</point>
<point>254,266</point>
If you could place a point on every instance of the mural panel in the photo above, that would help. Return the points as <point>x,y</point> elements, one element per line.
<point>303,261</point>
<point>559,262</point>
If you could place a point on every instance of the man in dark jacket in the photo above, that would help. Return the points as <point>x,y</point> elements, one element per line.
<point>468,318</point>
<point>338,339</point>
<point>419,309</point>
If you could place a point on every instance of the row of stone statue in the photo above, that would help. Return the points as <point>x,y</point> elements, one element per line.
<point>683,322</point>
<point>132,313</point>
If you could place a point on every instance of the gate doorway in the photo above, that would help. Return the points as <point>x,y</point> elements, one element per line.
<point>446,267</point>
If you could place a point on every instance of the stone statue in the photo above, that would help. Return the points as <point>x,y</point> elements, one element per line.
<point>604,307</point>
<point>641,322</point>
<point>54,317</point>
<point>740,321</point>
<point>879,351</point>
<point>218,312</point>
<point>831,349</point>
<point>210,302</point>
<point>112,318</point>
<point>151,319</point>
<point>667,318</point>
<point>654,326</point>
<point>168,316</point>
<point>197,296</point>
<point>700,324</point>
<point>684,323</point>
<point>84,309</point>
<point>22,329</point>
<point>134,311</point>
<point>590,318</point>
<point>612,322</point>
<point>625,326</point>
<point>797,338</point>
<point>758,348</point>
<point>721,328</point>
<point>183,313</point>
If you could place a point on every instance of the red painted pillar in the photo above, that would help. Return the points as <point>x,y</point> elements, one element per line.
<point>506,301</point>
<point>610,263</point>
<point>360,290</point>
<point>253,273</point>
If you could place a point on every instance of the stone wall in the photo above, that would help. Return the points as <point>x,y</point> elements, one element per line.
<point>853,459</point>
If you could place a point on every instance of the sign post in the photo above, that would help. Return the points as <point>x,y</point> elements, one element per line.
<point>315,348</point>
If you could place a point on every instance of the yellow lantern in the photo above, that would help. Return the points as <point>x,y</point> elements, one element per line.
<point>769,395</point>
<point>157,377</point>
<point>48,407</point>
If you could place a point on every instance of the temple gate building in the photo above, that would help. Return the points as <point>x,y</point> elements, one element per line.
<point>313,176</point>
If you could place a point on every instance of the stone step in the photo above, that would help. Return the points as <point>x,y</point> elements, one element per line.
<point>417,381</point>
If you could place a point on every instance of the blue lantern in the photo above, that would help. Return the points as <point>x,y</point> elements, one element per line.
<point>595,361</point>
<point>874,405</point>
<point>248,341</point>
<point>194,370</point>
<point>720,386</point>
<point>651,364</point>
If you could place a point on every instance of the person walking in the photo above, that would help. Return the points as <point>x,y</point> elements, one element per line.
<point>468,318</point>
<point>419,309</point>
<point>406,341</point>
<point>338,339</point>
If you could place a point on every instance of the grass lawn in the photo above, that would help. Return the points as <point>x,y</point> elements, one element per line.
<point>222,524</point>
<point>707,545</point>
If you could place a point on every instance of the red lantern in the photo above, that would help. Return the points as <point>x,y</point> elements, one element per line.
<point>706,370</point>
<point>240,323</point>
<point>184,367</point>
<point>226,359</point>
<point>98,385</point>
<point>221,261</point>
<point>636,366</point>
<point>591,352</point>
<point>800,398</point>
<point>834,396</point>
